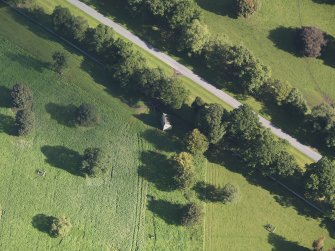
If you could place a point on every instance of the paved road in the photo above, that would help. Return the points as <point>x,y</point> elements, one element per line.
<point>188,73</point>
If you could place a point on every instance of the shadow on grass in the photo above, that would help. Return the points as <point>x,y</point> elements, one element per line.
<point>42,222</point>
<point>329,52</point>
<point>27,61</point>
<point>208,192</point>
<point>329,225</point>
<point>219,7</point>
<point>63,158</point>
<point>324,1</point>
<point>5,98</point>
<point>279,243</point>
<point>162,140</point>
<point>282,196</point>
<point>63,114</point>
<point>7,125</point>
<point>156,168</point>
<point>171,213</point>
<point>286,38</point>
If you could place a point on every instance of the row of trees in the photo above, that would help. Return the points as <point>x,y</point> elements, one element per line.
<point>22,100</point>
<point>128,67</point>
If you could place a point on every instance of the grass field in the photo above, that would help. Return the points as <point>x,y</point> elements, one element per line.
<point>106,213</point>
<point>139,210</point>
<point>270,34</point>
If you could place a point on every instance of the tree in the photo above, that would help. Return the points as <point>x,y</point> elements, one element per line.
<point>276,90</point>
<point>78,28</point>
<point>197,104</point>
<point>94,162</point>
<point>173,93</point>
<point>99,38</point>
<point>60,227</point>
<point>243,125</point>
<point>61,20</point>
<point>184,170</point>
<point>317,245</point>
<point>246,8</point>
<point>320,179</point>
<point>322,118</point>
<point>182,12</point>
<point>60,61</point>
<point>192,215</point>
<point>312,41</point>
<point>330,138</point>
<point>196,143</point>
<point>210,122</point>
<point>24,122</point>
<point>22,96</point>
<point>296,102</point>
<point>87,115</point>
<point>194,37</point>
<point>230,193</point>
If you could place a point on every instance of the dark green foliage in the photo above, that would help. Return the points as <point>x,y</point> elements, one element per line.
<point>312,41</point>
<point>24,122</point>
<point>230,193</point>
<point>196,143</point>
<point>246,8</point>
<point>87,115</point>
<point>226,194</point>
<point>296,102</point>
<point>243,125</point>
<point>275,91</point>
<point>238,62</point>
<point>99,38</point>
<point>60,227</point>
<point>94,162</point>
<point>322,118</point>
<point>192,215</point>
<point>197,104</point>
<point>320,179</point>
<point>184,170</point>
<point>60,61</point>
<point>210,122</point>
<point>22,96</point>
<point>330,138</point>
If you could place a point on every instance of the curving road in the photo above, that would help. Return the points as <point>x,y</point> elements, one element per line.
<point>191,75</point>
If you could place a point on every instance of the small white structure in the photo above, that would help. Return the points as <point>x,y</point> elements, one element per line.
<point>166,125</point>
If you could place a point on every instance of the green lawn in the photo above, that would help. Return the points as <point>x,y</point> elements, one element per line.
<point>108,213</point>
<point>270,35</point>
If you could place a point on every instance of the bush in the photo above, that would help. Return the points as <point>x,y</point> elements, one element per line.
<point>94,162</point>
<point>230,193</point>
<point>246,8</point>
<point>60,227</point>
<point>184,170</point>
<point>24,122</point>
<point>275,91</point>
<point>22,96</point>
<point>87,115</point>
<point>312,41</point>
<point>192,215</point>
<point>196,143</point>
<point>60,61</point>
<point>296,102</point>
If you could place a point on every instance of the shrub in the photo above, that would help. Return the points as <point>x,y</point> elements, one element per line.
<point>312,41</point>
<point>322,118</point>
<point>87,115</point>
<point>296,102</point>
<point>192,215</point>
<point>275,91</point>
<point>93,162</point>
<point>24,122</point>
<point>60,61</point>
<point>196,143</point>
<point>230,193</point>
<point>22,96</point>
<point>184,173</point>
<point>60,227</point>
<point>246,8</point>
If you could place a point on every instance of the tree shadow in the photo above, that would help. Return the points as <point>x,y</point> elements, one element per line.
<point>164,141</point>
<point>7,125</point>
<point>329,225</point>
<point>5,98</point>
<point>156,168</point>
<point>329,52</point>
<point>63,158</point>
<point>279,243</point>
<point>42,222</point>
<point>286,39</point>
<point>208,192</point>
<point>63,114</point>
<point>28,61</point>
<point>324,1</point>
<point>219,7</point>
<point>171,213</point>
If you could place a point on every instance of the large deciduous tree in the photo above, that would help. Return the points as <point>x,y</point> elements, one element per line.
<point>184,170</point>
<point>312,41</point>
